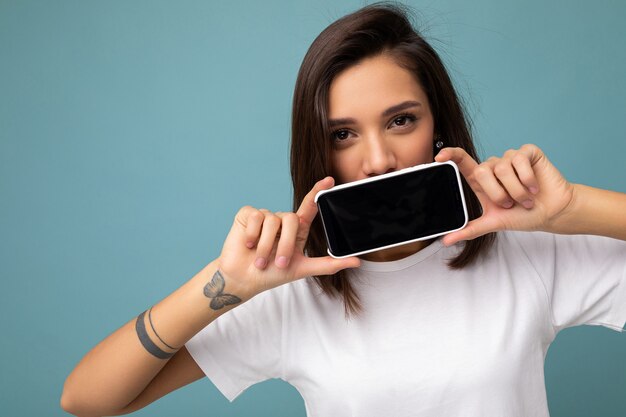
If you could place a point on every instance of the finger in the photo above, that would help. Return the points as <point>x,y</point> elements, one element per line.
<point>327,265</point>
<point>253,228</point>
<point>507,176</point>
<point>525,173</point>
<point>472,230</point>
<point>308,208</point>
<point>287,241</point>
<point>241,218</point>
<point>487,181</point>
<point>464,161</point>
<point>271,225</point>
<point>532,152</point>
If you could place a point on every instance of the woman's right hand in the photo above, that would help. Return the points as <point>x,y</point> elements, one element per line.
<point>264,250</point>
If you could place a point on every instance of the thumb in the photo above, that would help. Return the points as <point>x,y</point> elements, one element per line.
<point>327,265</point>
<point>474,229</point>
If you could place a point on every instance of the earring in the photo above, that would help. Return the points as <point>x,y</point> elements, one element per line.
<point>438,142</point>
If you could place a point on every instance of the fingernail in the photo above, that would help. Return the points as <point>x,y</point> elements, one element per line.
<point>527,203</point>
<point>282,261</point>
<point>250,245</point>
<point>508,204</point>
<point>533,190</point>
<point>260,263</point>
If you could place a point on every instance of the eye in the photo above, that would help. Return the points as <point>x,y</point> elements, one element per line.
<point>340,135</point>
<point>403,120</point>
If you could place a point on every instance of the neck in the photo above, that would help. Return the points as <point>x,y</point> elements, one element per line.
<point>394,254</point>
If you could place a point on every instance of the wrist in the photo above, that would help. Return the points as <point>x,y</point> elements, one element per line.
<point>565,221</point>
<point>234,284</point>
<point>192,306</point>
<point>594,211</point>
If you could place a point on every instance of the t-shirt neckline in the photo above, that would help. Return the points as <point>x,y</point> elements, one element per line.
<point>404,262</point>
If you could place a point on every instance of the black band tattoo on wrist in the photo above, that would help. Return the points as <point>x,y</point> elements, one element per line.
<point>215,291</point>
<point>148,344</point>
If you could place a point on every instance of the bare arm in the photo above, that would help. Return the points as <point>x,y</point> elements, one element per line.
<point>120,375</point>
<point>594,211</point>
<point>140,362</point>
<point>177,372</point>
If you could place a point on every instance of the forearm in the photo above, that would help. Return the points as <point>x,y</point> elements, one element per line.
<point>593,211</point>
<point>120,367</point>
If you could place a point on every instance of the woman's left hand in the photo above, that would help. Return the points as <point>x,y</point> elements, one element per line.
<point>521,190</point>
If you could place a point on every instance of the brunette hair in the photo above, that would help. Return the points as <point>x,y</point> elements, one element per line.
<point>381,28</point>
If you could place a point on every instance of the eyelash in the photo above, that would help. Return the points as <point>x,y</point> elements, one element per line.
<point>410,118</point>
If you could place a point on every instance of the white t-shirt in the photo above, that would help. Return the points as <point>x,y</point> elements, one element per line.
<point>431,341</point>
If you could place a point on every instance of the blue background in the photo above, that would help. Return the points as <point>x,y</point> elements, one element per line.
<point>132,131</point>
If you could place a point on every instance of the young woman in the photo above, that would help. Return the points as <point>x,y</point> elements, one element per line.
<point>454,326</point>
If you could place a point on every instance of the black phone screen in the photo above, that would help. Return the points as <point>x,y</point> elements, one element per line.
<point>392,210</point>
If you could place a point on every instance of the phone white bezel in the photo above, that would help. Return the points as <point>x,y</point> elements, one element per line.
<point>393,174</point>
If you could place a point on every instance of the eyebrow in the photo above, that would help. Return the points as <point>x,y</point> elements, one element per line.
<point>391,110</point>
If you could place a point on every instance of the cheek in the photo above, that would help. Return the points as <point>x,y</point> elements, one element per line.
<point>345,166</point>
<point>418,152</point>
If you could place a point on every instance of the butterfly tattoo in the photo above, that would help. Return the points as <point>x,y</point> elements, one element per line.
<point>215,291</point>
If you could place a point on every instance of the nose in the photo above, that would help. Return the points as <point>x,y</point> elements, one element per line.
<point>379,157</point>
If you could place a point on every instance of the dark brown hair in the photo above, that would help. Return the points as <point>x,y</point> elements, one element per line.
<point>380,28</point>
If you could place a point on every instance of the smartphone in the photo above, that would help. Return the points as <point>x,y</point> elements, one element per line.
<point>413,204</point>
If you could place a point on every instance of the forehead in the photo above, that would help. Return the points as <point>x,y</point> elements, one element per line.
<point>371,85</point>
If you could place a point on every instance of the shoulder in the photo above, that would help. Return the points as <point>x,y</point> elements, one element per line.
<point>540,240</point>
<point>544,246</point>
